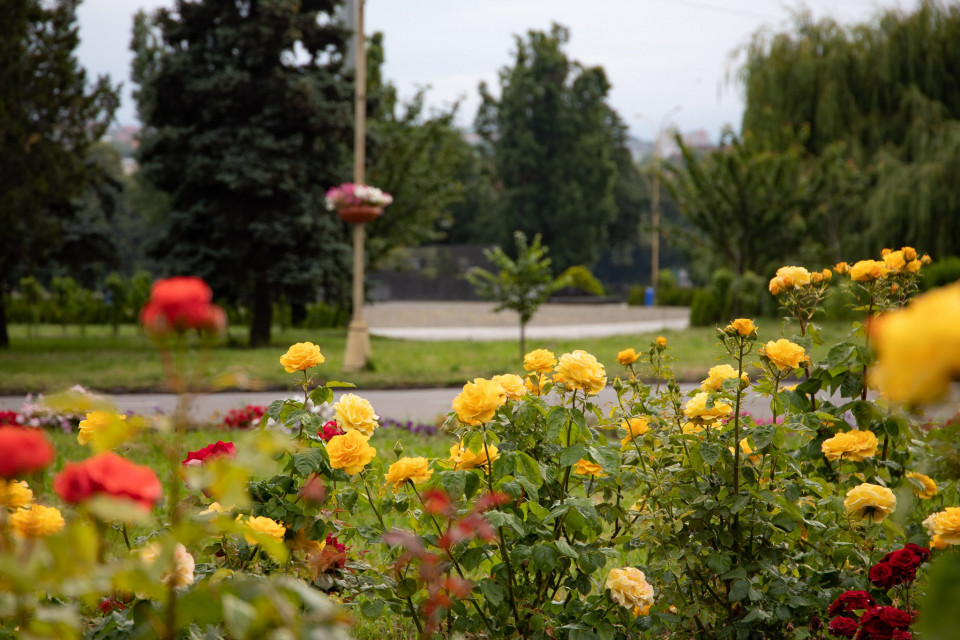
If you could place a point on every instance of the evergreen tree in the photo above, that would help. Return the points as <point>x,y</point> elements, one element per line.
<point>552,141</point>
<point>49,117</point>
<point>247,112</point>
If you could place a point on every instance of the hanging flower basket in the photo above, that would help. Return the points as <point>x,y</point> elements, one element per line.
<point>357,203</point>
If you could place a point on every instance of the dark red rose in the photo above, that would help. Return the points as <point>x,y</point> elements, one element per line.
<point>23,450</point>
<point>329,430</point>
<point>815,623</point>
<point>844,627</point>
<point>883,575</point>
<point>923,552</point>
<point>896,618</point>
<point>904,560</point>
<point>849,601</point>
<point>902,635</point>
<point>215,450</point>
<point>879,623</point>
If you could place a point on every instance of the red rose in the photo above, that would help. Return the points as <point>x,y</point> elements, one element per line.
<point>843,627</point>
<point>850,601</point>
<point>108,474</point>
<point>23,451</point>
<point>883,575</point>
<point>896,618</point>
<point>178,304</point>
<point>905,562</point>
<point>879,623</point>
<point>329,430</point>
<point>902,635</point>
<point>922,552</point>
<point>215,450</point>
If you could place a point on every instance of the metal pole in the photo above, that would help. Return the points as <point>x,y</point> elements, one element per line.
<point>358,338</point>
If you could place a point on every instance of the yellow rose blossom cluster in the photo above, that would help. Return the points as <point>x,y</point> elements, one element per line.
<point>37,521</point>
<point>630,589</point>
<point>784,355</point>
<point>788,278</point>
<point>417,470</point>
<point>97,422</point>
<point>462,458</point>
<point>696,407</point>
<point>944,526</point>
<point>581,370</point>
<point>870,502</point>
<point>718,374</point>
<point>301,356</point>
<point>350,452</point>
<point>930,487</point>
<point>513,385</point>
<point>181,573</point>
<point>15,494</point>
<point>584,467</point>
<point>356,414</point>
<point>856,445</point>
<point>918,347</point>
<point>634,427</point>
<point>262,525</point>
<point>478,401</point>
<point>627,357</point>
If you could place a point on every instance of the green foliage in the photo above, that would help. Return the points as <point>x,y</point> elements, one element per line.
<point>579,277</point>
<point>48,121</point>
<point>942,271</point>
<point>705,309</point>
<point>520,285</point>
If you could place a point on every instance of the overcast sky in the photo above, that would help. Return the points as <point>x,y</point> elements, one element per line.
<point>657,54</point>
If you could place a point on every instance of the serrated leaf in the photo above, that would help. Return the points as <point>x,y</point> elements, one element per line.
<point>544,557</point>
<point>530,468</point>
<point>336,384</point>
<point>573,454</point>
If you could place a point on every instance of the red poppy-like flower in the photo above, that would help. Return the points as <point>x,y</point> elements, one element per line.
<point>178,304</point>
<point>108,474</point>
<point>329,430</point>
<point>844,627</point>
<point>22,451</point>
<point>883,575</point>
<point>849,601</point>
<point>215,450</point>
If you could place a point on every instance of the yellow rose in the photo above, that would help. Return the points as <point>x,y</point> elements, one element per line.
<point>540,361</point>
<point>96,422</point>
<point>856,445</point>
<point>416,470</point>
<point>696,407</point>
<point>868,270</point>
<point>15,494</point>
<point>926,259</point>
<point>181,573</point>
<point>215,508</point>
<point>894,261</point>
<point>936,542</point>
<point>718,374</point>
<point>512,385</point>
<point>929,486</point>
<point>841,268</point>
<point>350,452</point>
<point>535,388</point>
<point>742,326</point>
<point>774,286</point>
<point>580,370</point>
<point>265,526</point>
<point>788,278</point>
<point>37,522</point>
<point>827,275</point>
<point>629,588</point>
<point>634,427</point>
<point>627,357</point>
<point>909,253</point>
<point>870,502</point>
<point>478,401</point>
<point>356,414</point>
<point>913,266</point>
<point>945,525</point>
<point>784,354</point>
<point>584,467</point>
<point>463,458</point>
<point>918,347</point>
<point>301,357</point>
<point>693,428</point>
<point>661,342</point>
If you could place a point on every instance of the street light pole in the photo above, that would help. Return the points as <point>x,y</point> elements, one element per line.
<point>655,198</point>
<point>358,339</point>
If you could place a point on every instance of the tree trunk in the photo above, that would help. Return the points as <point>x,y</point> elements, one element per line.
<point>262,315</point>
<point>4,336</point>
<point>523,339</point>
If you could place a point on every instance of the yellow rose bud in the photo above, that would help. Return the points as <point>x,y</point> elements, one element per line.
<point>930,487</point>
<point>841,268</point>
<point>926,259</point>
<point>350,452</point>
<point>742,326</point>
<point>627,357</point>
<point>816,277</point>
<point>37,522</point>
<point>870,502</point>
<point>356,414</point>
<point>945,525</point>
<point>913,266</point>
<point>629,588</point>
<point>855,445</point>
<point>417,470</point>
<point>540,361</point>
<point>884,252</point>
<point>661,342</point>
<point>301,356</point>
<point>478,401</point>
<point>909,253</point>
<point>580,370</point>
<point>827,275</point>
<point>15,494</point>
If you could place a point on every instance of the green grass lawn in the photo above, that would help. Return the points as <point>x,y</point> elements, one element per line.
<point>129,362</point>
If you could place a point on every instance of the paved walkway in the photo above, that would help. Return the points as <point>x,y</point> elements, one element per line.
<point>477,321</point>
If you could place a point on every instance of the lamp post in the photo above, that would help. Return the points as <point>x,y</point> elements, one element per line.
<point>358,339</point>
<point>655,197</point>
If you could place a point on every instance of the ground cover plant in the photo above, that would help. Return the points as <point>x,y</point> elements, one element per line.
<point>533,512</point>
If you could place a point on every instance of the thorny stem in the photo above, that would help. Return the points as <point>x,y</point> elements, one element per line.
<point>503,546</point>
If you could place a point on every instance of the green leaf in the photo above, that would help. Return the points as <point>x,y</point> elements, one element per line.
<point>718,563</point>
<point>565,549</point>
<point>274,409</point>
<point>321,395</point>
<point>739,590</point>
<point>372,608</point>
<point>336,384</point>
<point>545,557</point>
<point>503,519</point>
<point>573,454</point>
<point>308,461</point>
<point>454,483</point>
<point>406,588</point>
<point>530,468</point>
<point>709,452</point>
<point>840,353</point>
<point>606,457</point>
<point>555,422</point>
<point>492,592</point>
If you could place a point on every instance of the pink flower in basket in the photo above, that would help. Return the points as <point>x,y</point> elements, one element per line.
<point>349,194</point>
